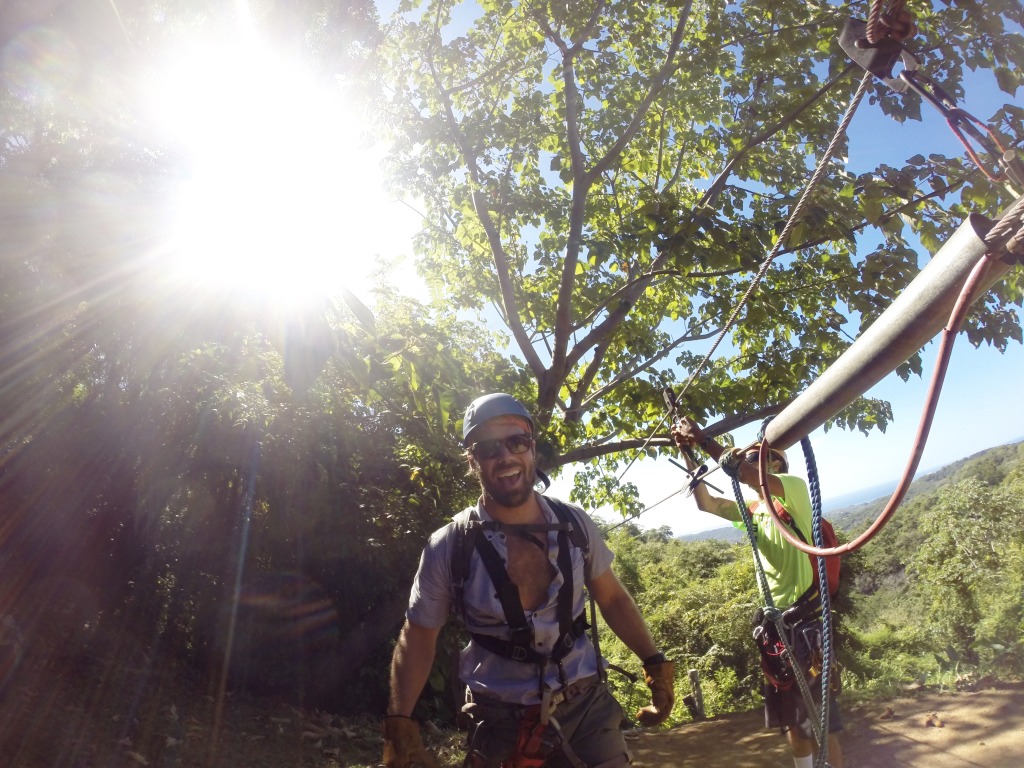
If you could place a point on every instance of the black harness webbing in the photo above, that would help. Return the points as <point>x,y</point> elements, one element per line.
<point>519,646</point>
<point>808,605</point>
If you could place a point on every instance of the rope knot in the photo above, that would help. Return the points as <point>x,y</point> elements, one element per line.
<point>772,613</point>
<point>1015,246</point>
<point>894,22</point>
<point>899,25</point>
<point>729,461</point>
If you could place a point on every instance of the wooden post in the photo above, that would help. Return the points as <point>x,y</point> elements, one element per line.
<point>698,696</point>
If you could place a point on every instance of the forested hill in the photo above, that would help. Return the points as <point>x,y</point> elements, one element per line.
<point>990,466</point>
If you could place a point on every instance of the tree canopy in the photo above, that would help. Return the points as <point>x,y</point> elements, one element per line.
<point>608,177</point>
<point>175,458</point>
<point>173,452</point>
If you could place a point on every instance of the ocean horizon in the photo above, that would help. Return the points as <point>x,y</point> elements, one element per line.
<point>859,496</point>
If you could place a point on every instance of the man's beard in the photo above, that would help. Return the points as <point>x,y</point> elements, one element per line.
<point>511,497</point>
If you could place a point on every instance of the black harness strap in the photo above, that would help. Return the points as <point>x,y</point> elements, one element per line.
<point>566,627</point>
<point>808,605</point>
<point>519,646</point>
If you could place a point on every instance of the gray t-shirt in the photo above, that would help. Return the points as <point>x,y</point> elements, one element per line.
<point>485,672</point>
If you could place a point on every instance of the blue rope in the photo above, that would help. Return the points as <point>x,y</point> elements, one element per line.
<point>748,524</point>
<point>814,486</point>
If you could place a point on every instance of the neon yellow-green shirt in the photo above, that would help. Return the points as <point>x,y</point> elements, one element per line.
<point>787,569</point>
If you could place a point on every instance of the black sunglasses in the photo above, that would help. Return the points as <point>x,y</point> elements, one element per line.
<point>491,449</point>
<point>753,457</point>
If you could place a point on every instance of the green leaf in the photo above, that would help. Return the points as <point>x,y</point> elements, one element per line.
<point>360,310</point>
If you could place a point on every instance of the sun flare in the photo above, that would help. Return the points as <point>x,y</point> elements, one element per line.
<point>270,198</point>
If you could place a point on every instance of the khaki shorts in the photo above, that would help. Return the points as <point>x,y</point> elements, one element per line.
<point>590,723</point>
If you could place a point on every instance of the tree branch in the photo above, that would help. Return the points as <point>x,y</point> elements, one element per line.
<point>629,374</point>
<point>658,83</point>
<point>584,179</point>
<point>498,254</point>
<point>596,450</point>
<point>712,193</point>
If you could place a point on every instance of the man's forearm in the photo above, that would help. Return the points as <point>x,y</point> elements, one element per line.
<point>710,446</point>
<point>624,619</point>
<point>723,508</point>
<point>410,667</point>
<point>622,615</point>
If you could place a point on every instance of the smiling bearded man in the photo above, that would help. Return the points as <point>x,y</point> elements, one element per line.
<point>507,479</point>
<point>515,568</point>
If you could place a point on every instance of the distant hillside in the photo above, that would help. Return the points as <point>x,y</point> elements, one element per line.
<point>988,465</point>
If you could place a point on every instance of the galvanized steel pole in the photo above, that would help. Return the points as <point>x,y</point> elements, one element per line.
<point>916,316</point>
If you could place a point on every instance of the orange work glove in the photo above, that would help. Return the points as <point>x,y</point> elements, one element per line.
<point>403,747</point>
<point>661,679</point>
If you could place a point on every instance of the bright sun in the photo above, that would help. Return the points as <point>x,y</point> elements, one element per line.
<point>277,181</point>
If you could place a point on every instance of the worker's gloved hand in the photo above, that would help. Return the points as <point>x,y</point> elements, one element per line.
<point>686,433</point>
<point>403,747</point>
<point>661,679</point>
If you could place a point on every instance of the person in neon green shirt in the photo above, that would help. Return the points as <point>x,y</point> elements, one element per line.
<point>787,570</point>
<point>790,575</point>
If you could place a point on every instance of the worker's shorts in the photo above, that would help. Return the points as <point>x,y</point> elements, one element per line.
<point>590,724</point>
<point>787,709</point>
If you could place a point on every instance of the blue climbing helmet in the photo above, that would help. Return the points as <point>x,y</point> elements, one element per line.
<point>489,407</point>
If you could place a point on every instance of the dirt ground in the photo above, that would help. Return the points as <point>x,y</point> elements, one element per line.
<point>126,713</point>
<point>930,730</point>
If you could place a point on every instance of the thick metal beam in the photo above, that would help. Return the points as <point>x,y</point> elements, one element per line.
<point>915,317</point>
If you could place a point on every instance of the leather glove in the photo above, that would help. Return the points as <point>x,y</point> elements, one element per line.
<point>661,679</point>
<point>403,747</point>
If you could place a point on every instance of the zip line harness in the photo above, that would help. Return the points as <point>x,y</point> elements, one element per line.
<point>539,733</point>
<point>1005,241</point>
<point>791,646</point>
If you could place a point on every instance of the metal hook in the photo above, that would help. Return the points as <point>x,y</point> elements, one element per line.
<point>697,477</point>
<point>880,58</point>
<point>961,121</point>
<point>877,58</point>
